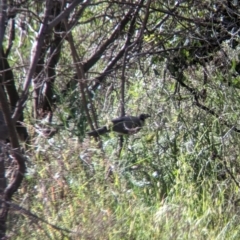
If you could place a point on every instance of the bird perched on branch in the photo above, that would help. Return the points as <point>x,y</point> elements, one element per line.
<point>122,125</point>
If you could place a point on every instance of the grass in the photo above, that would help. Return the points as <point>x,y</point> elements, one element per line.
<point>68,185</point>
<point>175,179</point>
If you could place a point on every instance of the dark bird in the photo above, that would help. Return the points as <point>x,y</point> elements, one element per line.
<point>122,125</point>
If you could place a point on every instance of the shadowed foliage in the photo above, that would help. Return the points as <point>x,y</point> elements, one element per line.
<point>69,67</point>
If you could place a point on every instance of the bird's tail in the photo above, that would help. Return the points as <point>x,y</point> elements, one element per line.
<point>97,132</point>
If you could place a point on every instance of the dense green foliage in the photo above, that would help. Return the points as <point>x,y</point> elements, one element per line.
<point>178,178</point>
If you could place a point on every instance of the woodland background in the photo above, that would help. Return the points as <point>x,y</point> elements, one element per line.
<point>68,67</point>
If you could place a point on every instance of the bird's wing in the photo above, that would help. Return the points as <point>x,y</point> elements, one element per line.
<point>121,119</point>
<point>127,122</point>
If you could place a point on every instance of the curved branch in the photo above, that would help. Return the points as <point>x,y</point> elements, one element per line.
<point>44,30</point>
<point>205,108</point>
<point>118,29</point>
